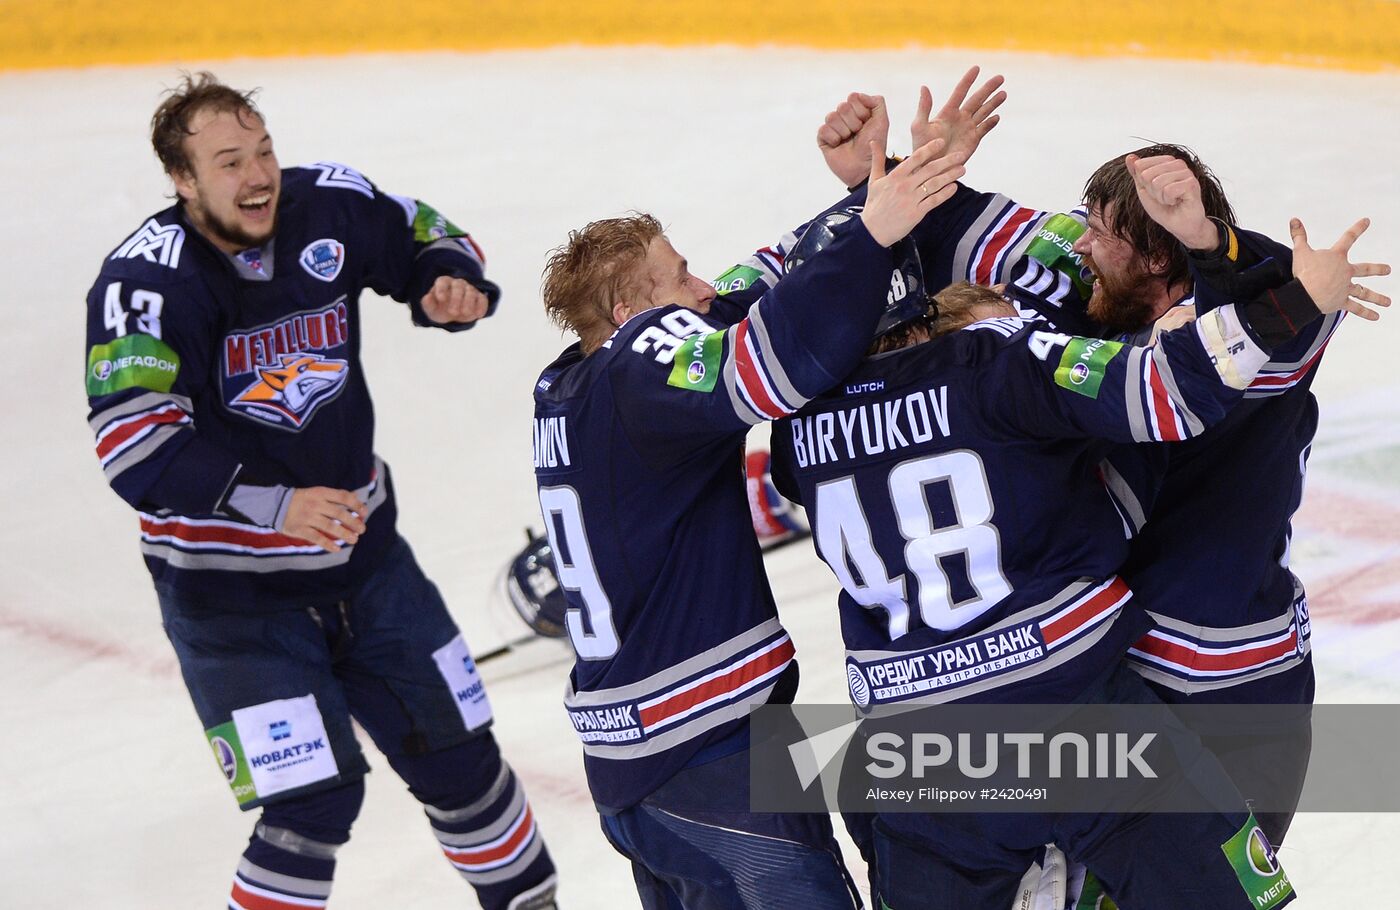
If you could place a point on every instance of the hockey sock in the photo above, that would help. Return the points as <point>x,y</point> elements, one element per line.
<point>488,831</point>
<point>290,860</point>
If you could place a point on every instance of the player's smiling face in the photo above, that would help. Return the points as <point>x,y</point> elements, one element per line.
<point>1124,292</point>
<point>1106,254</point>
<point>232,189</point>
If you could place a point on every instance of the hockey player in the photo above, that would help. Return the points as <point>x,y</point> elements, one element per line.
<point>638,452</point>
<point>1212,564</point>
<point>937,476</point>
<point>231,411</point>
<point>531,580</point>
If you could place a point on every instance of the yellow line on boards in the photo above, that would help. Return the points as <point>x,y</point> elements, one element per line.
<point>1361,35</point>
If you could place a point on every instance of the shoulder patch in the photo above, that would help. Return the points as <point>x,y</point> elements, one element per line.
<point>739,278</point>
<point>697,363</point>
<point>1083,364</point>
<point>154,242</point>
<point>430,225</point>
<point>338,176</point>
<point>1053,247</point>
<point>131,361</point>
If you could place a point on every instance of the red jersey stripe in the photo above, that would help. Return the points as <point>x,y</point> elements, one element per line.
<point>732,681</point>
<point>998,243</point>
<point>1162,405</point>
<point>748,374</point>
<point>250,901</point>
<point>1191,659</point>
<point>168,414</point>
<point>1269,381</point>
<point>1071,622</point>
<point>243,537</point>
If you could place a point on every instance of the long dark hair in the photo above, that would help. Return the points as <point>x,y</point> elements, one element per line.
<point>1112,184</point>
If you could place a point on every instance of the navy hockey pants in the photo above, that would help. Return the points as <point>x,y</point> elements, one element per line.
<point>1271,760</point>
<point>276,693</point>
<point>695,846</point>
<point>1147,861</point>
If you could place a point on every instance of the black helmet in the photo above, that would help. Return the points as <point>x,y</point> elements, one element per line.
<point>908,297</point>
<point>533,586</point>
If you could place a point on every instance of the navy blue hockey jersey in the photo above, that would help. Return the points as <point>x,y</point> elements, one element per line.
<point>207,371</point>
<point>953,489</point>
<point>1213,559</point>
<point>1212,564</point>
<point>638,456</point>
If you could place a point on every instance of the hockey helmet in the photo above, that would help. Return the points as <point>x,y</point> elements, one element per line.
<point>908,296</point>
<point>532,583</point>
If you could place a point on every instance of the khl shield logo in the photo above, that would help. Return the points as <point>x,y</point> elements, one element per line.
<point>323,258</point>
<point>228,760</point>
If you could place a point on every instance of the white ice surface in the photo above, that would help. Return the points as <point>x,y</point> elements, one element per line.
<point>107,792</point>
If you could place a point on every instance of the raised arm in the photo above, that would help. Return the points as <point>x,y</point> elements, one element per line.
<point>799,339</point>
<point>846,134</point>
<point>1232,265</point>
<point>1168,391</point>
<point>421,258</point>
<point>963,121</point>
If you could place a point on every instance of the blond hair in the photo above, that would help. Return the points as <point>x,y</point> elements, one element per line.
<point>599,266</point>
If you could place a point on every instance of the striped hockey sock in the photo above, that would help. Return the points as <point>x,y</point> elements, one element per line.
<point>494,844</point>
<point>282,870</point>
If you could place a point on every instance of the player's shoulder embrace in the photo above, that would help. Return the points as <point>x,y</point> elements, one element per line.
<point>987,344</point>
<point>647,344</point>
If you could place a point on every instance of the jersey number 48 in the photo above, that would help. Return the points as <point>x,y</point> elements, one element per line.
<point>844,538</point>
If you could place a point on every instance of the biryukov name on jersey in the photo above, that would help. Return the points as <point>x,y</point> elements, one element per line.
<point>870,429</point>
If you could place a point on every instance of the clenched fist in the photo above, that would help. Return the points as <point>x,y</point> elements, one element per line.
<point>454,300</point>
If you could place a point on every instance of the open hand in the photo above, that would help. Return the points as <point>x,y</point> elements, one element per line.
<point>1327,275</point>
<point>899,200</point>
<point>325,516</point>
<point>962,121</point>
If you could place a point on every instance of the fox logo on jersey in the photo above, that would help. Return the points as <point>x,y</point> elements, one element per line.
<point>290,393</point>
<point>280,374</point>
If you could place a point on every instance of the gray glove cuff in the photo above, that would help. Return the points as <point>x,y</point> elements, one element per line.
<point>263,506</point>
